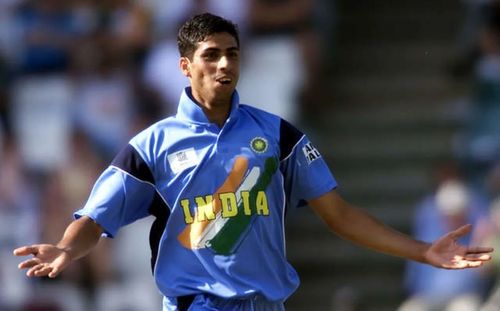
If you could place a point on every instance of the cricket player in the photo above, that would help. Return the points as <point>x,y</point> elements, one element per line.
<point>219,177</point>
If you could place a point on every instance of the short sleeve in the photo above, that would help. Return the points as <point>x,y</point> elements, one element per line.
<point>306,174</point>
<point>122,194</point>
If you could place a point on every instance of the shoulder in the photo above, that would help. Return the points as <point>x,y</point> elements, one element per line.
<point>259,114</point>
<point>268,119</point>
<point>151,141</point>
<point>288,135</point>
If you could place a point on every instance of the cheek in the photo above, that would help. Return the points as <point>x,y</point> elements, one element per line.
<point>204,73</point>
<point>198,75</point>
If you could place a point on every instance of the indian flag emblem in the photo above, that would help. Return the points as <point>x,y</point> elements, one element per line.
<point>222,221</point>
<point>259,144</point>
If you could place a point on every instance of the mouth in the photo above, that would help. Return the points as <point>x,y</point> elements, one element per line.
<point>224,80</point>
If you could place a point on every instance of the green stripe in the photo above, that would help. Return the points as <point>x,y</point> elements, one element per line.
<point>227,240</point>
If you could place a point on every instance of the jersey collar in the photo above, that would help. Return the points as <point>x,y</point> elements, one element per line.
<point>189,110</point>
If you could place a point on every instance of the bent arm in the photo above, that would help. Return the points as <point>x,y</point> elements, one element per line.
<point>361,228</point>
<point>80,237</point>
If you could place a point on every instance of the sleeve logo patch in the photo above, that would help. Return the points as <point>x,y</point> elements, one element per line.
<point>311,153</point>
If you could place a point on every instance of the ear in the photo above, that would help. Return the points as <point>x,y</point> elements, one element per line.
<point>185,65</point>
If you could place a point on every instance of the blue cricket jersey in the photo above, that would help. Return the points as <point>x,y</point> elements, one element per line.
<point>219,196</point>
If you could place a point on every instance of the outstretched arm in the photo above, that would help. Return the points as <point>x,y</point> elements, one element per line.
<point>49,260</point>
<point>359,227</point>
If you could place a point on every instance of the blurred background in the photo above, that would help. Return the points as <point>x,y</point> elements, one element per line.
<point>401,97</point>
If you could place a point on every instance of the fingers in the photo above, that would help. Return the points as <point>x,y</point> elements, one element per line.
<point>456,234</point>
<point>471,264</point>
<point>480,257</point>
<point>43,271</point>
<point>55,271</point>
<point>42,264</point>
<point>464,264</point>
<point>29,263</point>
<point>472,260</point>
<point>39,270</point>
<point>474,264</point>
<point>479,250</point>
<point>26,250</point>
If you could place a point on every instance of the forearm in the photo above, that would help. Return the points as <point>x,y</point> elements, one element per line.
<point>80,237</point>
<point>358,226</point>
<point>365,230</point>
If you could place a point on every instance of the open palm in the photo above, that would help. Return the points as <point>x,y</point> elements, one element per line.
<point>48,260</point>
<point>447,253</point>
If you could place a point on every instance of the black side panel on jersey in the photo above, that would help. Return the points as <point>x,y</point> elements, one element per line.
<point>131,162</point>
<point>161,211</point>
<point>289,136</point>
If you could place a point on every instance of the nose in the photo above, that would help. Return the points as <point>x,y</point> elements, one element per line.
<point>223,62</point>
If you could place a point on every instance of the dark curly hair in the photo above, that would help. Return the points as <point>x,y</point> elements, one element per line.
<point>201,26</point>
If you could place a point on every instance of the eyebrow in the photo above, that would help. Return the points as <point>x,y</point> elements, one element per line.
<point>233,48</point>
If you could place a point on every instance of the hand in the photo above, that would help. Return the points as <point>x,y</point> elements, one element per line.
<point>48,260</point>
<point>447,253</point>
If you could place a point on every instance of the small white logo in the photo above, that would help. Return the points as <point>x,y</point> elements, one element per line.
<point>311,153</point>
<point>183,159</point>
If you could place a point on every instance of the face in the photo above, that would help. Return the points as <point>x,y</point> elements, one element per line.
<point>214,68</point>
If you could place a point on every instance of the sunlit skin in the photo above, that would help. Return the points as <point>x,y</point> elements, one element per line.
<point>449,254</point>
<point>213,73</point>
<point>49,260</point>
<point>356,225</point>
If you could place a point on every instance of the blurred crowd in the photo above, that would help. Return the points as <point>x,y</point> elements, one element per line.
<point>78,78</point>
<point>466,187</point>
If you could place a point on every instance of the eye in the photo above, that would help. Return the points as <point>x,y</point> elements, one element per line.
<point>210,56</point>
<point>233,54</point>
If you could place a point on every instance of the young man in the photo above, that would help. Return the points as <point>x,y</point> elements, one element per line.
<point>219,177</point>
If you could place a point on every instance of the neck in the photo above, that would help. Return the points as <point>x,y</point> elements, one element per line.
<point>216,109</point>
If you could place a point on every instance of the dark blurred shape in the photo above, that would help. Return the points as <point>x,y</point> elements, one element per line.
<point>451,204</point>
<point>478,16</point>
<point>48,35</point>
<point>286,57</point>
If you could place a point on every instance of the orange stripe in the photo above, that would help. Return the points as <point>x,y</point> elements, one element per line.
<point>193,231</point>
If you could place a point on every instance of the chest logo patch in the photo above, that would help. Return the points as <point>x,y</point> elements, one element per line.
<point>259,144</point>
<point>182,160</point>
